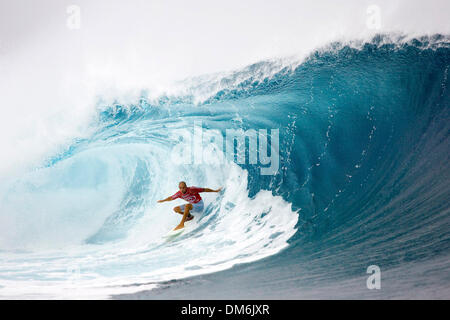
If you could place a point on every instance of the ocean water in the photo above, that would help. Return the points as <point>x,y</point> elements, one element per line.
<point>358,134</point>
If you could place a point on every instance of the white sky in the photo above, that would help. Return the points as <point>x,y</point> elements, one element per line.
<point>172,39</point>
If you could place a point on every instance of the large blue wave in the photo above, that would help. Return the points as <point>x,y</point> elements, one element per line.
<point>363,165</point>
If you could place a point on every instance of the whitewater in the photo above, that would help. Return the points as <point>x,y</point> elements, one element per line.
<point>361,156</point>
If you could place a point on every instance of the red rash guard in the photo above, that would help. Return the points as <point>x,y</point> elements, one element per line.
<point>191,195</point>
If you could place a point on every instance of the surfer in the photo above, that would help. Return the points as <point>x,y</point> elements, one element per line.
<point>191,195</point>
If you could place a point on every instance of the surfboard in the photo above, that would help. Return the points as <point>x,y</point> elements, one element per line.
<point>189,225</point>
<point>174,233</point>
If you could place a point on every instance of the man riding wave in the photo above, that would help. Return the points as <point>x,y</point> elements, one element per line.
<point>192,196</point>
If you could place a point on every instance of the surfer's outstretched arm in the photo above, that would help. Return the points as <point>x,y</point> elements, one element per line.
<point>166,199</point>
<point>211,190</point>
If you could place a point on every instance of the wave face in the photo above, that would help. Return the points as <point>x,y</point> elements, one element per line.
<point>363,178</point>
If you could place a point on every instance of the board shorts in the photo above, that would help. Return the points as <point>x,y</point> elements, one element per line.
<point>196,207</point>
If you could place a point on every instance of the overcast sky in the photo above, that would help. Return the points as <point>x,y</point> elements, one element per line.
<point>173,38</point>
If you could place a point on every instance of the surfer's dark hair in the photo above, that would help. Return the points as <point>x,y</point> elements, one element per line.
<point>182,182</point>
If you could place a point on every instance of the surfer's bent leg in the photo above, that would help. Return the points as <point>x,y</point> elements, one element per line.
<point>187,207</point>
<point>180,210</point>
<point>186,214</point>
